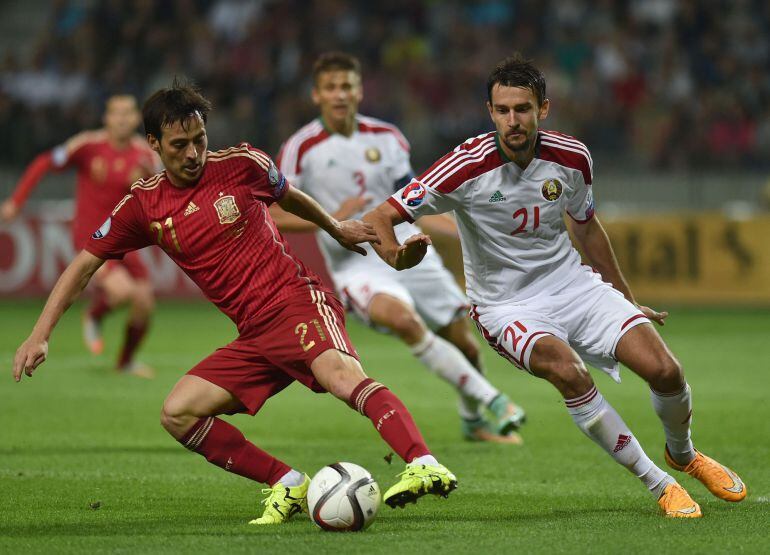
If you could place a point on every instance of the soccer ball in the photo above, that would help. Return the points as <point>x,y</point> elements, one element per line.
<point>343,497</point>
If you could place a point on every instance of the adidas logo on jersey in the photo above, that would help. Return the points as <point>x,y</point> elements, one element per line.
<point>497,197</point>
<point>192,207</point>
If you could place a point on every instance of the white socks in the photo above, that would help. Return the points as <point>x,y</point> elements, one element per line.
<point>675,412</point>
<point>425,459</point>
<point>599,421</point>
<point>292,479</point>
<point>446,360</point>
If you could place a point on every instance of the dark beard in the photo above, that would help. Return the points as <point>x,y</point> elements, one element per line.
<point>520,148</point>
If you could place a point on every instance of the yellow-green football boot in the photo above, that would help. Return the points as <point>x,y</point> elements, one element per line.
<point>283,502</point>
<point>418,480</point>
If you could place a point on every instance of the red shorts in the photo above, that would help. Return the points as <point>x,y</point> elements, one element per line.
<point>272,353</point>
<point>133,264</point>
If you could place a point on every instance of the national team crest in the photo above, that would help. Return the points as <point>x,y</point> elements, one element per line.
<point>552,190</point>
<point>373,154</point>
<point>227,210</point>
<point>413,194</point>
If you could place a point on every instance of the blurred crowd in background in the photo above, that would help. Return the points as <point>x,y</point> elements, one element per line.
<point>659,84</point>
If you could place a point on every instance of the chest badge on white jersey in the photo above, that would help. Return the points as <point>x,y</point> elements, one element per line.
<point>373,155</point>
<point>227,210</point>
<point>552,190</point>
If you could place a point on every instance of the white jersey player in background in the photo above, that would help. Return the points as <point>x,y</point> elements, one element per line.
<point>344,160</point>
<point>516,192</point>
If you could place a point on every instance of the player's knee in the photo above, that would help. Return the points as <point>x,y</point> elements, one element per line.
<point>570,377</point>
<point>407,325</point>
<point>175,418</point>
<point>469,347</point>
<point>669,375</point>
<point>142,299</point>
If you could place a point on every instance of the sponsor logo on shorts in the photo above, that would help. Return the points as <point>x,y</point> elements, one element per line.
<point>413,194</point>
<point>104,230</point>
<point>552,189</point>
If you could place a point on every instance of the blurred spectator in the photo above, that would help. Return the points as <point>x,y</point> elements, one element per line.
<point>652,83</point>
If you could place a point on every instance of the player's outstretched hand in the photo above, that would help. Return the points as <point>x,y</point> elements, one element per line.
<point>412,251</point>
<point>657,317</point>
<point>8,211</point>
<point>29,356</point>
<point>350,233</point>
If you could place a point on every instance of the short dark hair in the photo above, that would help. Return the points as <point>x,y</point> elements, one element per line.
<point>179,102</point>
<point>335,61</point>
<point>517,71</point>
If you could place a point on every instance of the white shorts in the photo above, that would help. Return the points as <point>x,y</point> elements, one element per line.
<point>587,313</point>
<point>428,287</point>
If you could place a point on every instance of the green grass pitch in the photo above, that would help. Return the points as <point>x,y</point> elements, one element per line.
<point>76,434</point>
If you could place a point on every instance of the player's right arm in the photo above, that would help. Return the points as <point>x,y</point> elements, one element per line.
<point>55,159</point>
<point>383,219</point>
<point>33,352</point>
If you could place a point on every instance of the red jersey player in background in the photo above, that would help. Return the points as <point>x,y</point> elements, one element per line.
<point>209,213</point>
<point>107,162</point>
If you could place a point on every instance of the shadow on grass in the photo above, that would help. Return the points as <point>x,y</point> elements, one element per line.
<point>93,450</point>
<point>230,525</point>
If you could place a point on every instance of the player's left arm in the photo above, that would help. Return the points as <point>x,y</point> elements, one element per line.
<point>442,225</point>
<point>595,245</point>
<point>348,233</point>
<point>290,223</point>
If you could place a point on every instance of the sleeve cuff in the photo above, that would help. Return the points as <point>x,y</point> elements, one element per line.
<point>578,221</point>
<point>400,209</point>
<point>104,256</point>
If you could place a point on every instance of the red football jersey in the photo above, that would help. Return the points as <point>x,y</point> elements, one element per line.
<point>219,232</point>
<point>104,176</point>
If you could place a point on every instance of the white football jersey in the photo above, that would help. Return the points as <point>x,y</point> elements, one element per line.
<point>511,221</point>
<point>332,168</point>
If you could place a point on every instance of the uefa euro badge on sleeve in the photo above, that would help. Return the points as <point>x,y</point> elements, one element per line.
<point>413,194</point>
<point>104,230</point>
<point>277,180</point>
<point>227,210</point>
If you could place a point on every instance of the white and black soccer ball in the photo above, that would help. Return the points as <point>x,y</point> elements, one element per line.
<point>343,497</point>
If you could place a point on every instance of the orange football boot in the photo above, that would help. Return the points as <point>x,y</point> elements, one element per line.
<point>720,480</point>
<point>677,503</point>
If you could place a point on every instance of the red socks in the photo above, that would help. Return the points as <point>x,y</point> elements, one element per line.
<point>134,335</point>
<point>225,446</point>
<point>99,307</point>
<point>390,417</point>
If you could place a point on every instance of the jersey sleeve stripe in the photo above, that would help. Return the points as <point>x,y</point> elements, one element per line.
<point>400,209</point>
<point>147,184</point>
<point>123,201</point>
<point>292,151</point>
<point>253,156</point>
<point>442,182</point>
<point>568,142</point>
<point>586,175</point>
<point>375,125</point>
<point>455,157</point>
